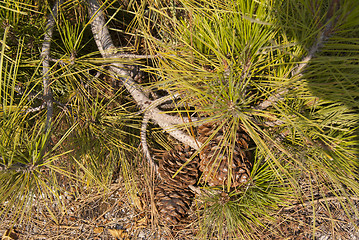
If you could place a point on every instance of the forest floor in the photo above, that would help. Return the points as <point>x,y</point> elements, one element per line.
<point>114,215</point>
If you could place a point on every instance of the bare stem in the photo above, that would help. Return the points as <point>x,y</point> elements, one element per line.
<point>35,109</point>
<point>298,70</point>
<point>45,55</point>
<point>146,151</point>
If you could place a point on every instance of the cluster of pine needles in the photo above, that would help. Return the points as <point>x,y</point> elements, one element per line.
<point>284,71</point>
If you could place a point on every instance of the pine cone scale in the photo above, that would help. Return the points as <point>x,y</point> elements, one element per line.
<point>216,160</point>
<point>173,197</point>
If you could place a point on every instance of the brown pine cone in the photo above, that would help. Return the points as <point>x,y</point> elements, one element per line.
<point>173,203</point>
<point>217,163</point>
<point>173,160</point>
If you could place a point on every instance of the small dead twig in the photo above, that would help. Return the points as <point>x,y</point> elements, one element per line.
<point>320,200</point>
<point>133,56</point>
<point>35,109</point>
<point>35,95</point>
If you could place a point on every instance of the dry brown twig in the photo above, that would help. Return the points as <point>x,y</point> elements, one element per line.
<point>320,200</point>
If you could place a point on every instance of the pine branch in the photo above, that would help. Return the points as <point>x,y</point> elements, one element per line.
<point>16,167</point>
<point>145,120</point>
<point>298,70</point>
<point>45,55</point>
<point>35,109</point>
<point>106,47</point>
<point>146,151</point>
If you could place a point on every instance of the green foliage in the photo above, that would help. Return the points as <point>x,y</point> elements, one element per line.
<point>286,71</point>
<point>226,58</point>
<point>93,124</point>
<point>240,214</point>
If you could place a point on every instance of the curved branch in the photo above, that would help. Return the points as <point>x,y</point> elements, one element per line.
<point>45,55</point>
<point>145,120</point>
<point>100,31</point>
<point>106,48</point>
<point>176,120</point>
<point>146,151</point>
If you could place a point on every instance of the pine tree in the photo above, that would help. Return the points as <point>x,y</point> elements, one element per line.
<point>253,104</point>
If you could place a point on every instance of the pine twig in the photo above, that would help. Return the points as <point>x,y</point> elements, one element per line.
<point>298,70</point>
<point>133,56</point>
<point>35,109</point>
<point>271,100</point>
<point>45,55</point>
<point>30,95</point>
<point>176,120</point>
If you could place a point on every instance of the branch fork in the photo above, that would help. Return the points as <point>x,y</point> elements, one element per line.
<point>148,107</point>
